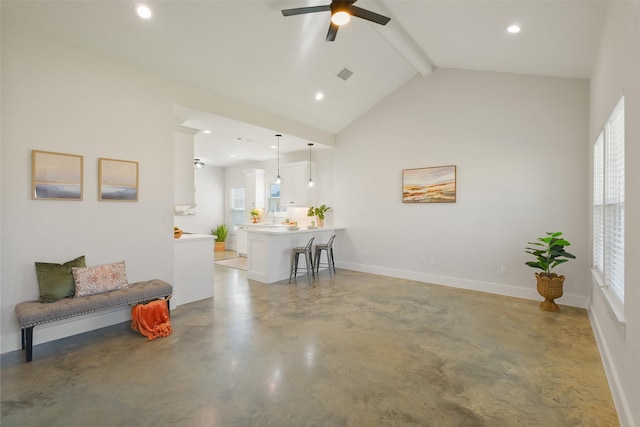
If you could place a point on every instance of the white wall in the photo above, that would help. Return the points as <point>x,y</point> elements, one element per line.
<point>59,98</point>
<point>519,146</point>
<point>210,210</point>
<point>617,71</point>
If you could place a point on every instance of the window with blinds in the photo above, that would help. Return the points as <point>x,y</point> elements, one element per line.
<point>608,203</point>
<point>237,206</point>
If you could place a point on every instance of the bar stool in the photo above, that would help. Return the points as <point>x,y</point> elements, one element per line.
<point>306,251</point>
<point>331,265</point>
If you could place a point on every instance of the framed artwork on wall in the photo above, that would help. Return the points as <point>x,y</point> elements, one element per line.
<point>117,180</point>
<point>429,185</point>
<point>56,176</point>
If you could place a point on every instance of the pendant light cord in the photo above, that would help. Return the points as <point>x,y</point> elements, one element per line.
<point>310,180</point>
<point>278,180</point>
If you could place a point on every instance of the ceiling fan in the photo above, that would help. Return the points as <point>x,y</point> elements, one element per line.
<point>341,12</point>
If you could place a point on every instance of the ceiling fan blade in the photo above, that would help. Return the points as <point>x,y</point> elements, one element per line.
<point>303,10</point>
<point>369,16</point>
<point>331,34</point>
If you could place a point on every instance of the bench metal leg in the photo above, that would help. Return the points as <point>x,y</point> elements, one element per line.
<point>27,342</point>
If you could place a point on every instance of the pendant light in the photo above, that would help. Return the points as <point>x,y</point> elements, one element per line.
<point>278,180</point>
<point>310,180</point>
<point>198,164</point>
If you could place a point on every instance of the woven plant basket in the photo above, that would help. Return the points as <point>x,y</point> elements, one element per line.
<point>220,247</point>
<point>549,287</point>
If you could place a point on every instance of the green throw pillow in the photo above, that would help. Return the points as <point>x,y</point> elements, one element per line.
<point>56,280</point>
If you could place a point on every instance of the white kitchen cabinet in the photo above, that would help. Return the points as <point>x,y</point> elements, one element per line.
<point>255,191</point>
<point>294,189</point>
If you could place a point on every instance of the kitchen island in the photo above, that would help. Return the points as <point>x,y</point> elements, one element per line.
<point>269,250</point>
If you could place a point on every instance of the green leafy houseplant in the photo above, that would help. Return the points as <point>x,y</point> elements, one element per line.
<point>549,252</point>
<point>221,232</point>
<point>255,212</point>
<point>320,211</point>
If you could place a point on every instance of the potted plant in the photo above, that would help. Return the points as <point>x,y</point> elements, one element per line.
<point>220,232</point>
<point>255,213</point>
<point>320,212</point>
<point>549,253</point>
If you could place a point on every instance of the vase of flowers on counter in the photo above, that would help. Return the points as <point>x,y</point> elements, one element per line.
<point>254,215</point>
<point>320,212</point>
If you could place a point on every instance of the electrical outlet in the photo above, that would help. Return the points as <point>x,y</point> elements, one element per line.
<point>423,261</point>
<point>433,261</point>
<point>504,271</point>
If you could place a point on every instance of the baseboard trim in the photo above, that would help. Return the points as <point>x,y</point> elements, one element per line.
<point>455,282</point>
<point>622,406</point>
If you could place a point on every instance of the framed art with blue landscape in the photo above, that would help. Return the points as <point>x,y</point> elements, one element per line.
<point>117,180</point>
<point>56,176</point>
<point>429,185</point>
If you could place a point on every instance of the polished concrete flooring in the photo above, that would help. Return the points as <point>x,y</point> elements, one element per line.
<point>356,350</point>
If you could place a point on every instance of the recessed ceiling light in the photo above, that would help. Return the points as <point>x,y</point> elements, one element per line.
<point>143,12</point>
<point>207,131</point>
<point>273,146</point>
<point>319,96</point>
<point>233,155</point>
<point>237,139</point>
<point>513,29</point>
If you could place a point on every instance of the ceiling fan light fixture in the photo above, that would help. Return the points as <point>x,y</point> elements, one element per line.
<point>340,17</point>
<point>341,12</point>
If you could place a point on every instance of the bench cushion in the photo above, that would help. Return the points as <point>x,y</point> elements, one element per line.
<point>34,313</point>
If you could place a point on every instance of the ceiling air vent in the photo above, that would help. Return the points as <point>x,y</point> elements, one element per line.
<point>345,73</point>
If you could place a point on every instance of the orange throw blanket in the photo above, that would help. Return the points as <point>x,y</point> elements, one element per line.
<point>152,319</point>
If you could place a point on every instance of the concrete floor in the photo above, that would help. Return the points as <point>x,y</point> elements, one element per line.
<point>358,350</point>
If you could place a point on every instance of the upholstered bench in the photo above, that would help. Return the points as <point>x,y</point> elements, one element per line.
<point>34,313</point>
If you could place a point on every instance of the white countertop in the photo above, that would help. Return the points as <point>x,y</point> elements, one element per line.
<point>188,237</point>
<point>287,230</point>
<point>263,225</point>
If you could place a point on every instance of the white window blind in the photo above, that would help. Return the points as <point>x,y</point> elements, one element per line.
<point>598,204</point>
<point>608,209</point>
<point>237,205</point>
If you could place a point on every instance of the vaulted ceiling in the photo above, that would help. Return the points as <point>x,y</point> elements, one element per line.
<point>248,51</point>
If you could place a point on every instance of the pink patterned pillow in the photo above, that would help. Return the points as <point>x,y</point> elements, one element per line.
<point>99,279</point>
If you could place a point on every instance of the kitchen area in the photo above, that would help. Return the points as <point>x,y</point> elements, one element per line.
<point>208,193</point>
<point>281,219</point>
